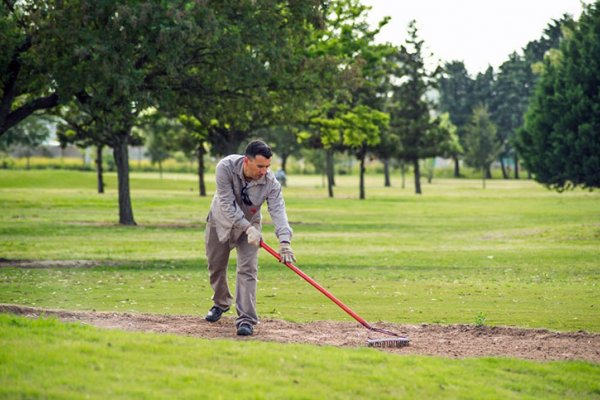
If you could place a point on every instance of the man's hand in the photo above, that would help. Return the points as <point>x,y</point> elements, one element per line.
<point>286,253</point>
<point>253,235</point>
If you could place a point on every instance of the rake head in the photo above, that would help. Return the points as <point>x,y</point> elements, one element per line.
<point>395,342</point>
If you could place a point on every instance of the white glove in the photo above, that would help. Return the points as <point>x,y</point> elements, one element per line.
<point>254,236</point>
<point>286,253</point>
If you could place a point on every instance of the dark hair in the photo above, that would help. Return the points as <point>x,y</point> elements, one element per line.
<point>258,148</point>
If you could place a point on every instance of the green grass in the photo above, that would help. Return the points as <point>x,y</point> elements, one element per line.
<point>517,253</point>
<point>513,254</point>
<point>75,361</point>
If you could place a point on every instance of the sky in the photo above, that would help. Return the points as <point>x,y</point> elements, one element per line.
<point>478,32</point>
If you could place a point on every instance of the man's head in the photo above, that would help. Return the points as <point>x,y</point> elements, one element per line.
<point>257,159</point>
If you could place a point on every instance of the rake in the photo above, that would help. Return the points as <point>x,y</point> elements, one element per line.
<point>397,341</point>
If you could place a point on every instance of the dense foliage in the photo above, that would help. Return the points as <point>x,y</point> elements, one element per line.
<point>561,140</point>
<point>307,74</point>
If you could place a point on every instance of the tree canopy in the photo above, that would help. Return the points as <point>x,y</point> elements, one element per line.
<point>410,106</point>
<point>482,143</point>
<point>560,142</point>
<point>226,70</point>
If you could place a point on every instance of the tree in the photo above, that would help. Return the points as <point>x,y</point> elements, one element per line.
<point>348,41</point>
<point>386,150</point>
<point>81,129</point>
<point>484,93</point>
<point>121,57</point>
<point>449,142</point>
<point>369,103</point>
<point>513,87</point>
<point>192,141</point>
<point>482,144</point>
<point>128,55</point>
<point>361,129</point>
<point>450,147</point>
<point>410,107</point>
<point>27,136</point>
<point>324,131</point>
<point>534,53</point>
<point>456,98</point>
<point>484,89</point>
<point>258,74</point>
<point>160,134</point>
<point>511,100</point>
<point>28,67</point>
<point>560,143</point>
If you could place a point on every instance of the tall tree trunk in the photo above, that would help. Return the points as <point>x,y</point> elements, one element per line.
<point>160,169</point>
<point>386,173</point>
<point>331,166</point>
<point>516,166</point>
<point>488,172</point>
<point>200,155</point>
<point>330,170</point>
<point>362,156</point>
<point>99,169</point>
<point>122,162</point>
<point>284,159</point>
<point>456,167</point>
<point>503,167</point>
<point>403,172</point>
<point>484,172</point>
<point>417,176</point>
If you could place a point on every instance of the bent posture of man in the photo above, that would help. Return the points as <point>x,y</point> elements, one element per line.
<point>244,183</point>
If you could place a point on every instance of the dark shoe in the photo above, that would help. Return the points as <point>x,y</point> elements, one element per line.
<point>215,313</point>
<point>245,330</point>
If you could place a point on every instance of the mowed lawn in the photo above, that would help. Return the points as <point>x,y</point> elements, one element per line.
<point>513,254</point>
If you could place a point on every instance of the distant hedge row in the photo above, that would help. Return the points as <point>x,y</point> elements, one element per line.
<point>176,166</point>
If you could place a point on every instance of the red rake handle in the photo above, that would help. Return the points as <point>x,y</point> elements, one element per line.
<point>321,289</point>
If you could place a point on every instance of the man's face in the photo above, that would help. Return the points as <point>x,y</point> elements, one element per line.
<point>257,167</point>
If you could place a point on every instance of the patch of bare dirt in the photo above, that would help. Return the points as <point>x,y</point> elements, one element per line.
<point>455,341</point>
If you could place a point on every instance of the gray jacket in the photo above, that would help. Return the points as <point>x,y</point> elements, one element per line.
<point>228,213</point>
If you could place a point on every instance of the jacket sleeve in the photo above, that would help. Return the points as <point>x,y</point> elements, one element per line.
<point>276,207</point>
<point>227,204</point>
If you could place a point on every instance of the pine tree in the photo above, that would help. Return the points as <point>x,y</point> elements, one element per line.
<point>561,140</point>
<point>481,141</point>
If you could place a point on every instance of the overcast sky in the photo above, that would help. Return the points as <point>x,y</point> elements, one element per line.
<point>478,32</point>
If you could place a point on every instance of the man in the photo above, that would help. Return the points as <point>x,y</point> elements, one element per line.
<point>244,183</point>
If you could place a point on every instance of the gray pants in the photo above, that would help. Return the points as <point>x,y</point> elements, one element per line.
<point>247,273</point>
